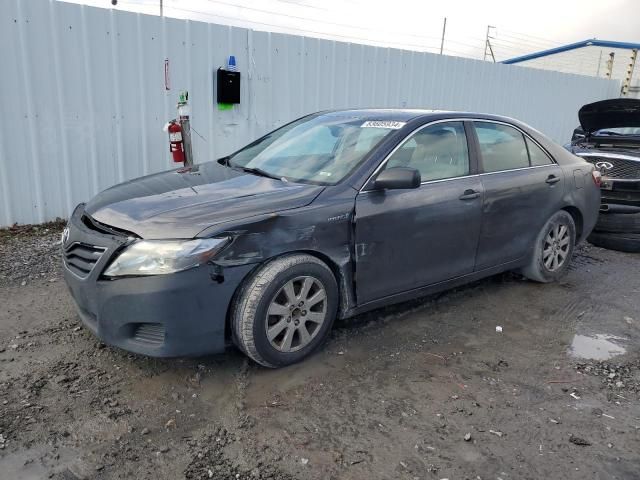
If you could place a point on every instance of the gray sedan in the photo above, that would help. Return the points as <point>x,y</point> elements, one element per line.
<point>332,215</point>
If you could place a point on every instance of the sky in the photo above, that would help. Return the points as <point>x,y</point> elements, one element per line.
<point>519,27</point>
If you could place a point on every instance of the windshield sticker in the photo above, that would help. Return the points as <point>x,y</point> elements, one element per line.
<point>383,124</point>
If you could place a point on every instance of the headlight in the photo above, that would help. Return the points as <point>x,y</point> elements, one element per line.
<point>158,257</point>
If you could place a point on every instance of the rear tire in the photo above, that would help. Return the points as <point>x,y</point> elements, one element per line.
<point>623,242</point>
<point>553,249</point>
<point>285,310</point>
<point>618,223</point>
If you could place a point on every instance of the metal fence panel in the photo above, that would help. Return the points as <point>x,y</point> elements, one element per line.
<point>84,102</point>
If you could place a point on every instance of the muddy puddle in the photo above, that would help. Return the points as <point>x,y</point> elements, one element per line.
<point>599,346</point>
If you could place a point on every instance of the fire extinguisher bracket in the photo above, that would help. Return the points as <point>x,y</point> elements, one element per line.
<point>185,127</point>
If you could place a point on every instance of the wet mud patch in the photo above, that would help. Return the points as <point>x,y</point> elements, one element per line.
<point>426,389</point>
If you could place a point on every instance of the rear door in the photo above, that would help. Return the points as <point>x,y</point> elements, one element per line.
<point>406,239</point>
<point>522,186</point>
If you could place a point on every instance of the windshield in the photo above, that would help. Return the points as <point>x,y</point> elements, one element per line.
<point>322,149</point>
<point>618,131</point>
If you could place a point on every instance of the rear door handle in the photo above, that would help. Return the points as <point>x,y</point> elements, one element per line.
<point>551,179</point>
<point>469,195</point>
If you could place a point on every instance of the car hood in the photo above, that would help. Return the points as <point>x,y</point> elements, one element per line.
<point>614,113</point>
<point>181,203</point>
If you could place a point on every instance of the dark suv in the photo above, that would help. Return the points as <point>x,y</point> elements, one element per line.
<point>609,138</point>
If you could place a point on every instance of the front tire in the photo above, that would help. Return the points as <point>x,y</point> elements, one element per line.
<point>285,310</point>
<point>553,249</point>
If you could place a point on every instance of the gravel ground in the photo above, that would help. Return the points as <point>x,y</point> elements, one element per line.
<point>424,390</point>
<point>30,252</point>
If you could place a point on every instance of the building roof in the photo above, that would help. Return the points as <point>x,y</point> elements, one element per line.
<point>592,42</point>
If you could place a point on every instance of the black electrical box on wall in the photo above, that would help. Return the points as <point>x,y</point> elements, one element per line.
<point>228,86</point>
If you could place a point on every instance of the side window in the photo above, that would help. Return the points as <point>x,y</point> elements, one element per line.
<point>536,154</point>
<point>502,147</point>
<point>438,151</point>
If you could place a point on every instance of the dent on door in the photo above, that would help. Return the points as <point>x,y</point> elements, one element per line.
<point>406,239</point>
<point>516,206</point>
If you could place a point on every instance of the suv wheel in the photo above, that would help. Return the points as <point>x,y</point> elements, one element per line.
<point>623,242</point>
<point>618,223</point>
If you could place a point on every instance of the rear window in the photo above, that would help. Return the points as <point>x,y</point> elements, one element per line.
<point>536,154</point>
<point>502,147</point>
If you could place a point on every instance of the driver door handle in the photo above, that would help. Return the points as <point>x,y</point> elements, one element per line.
<point>469,195</point>
<point>551,179</point>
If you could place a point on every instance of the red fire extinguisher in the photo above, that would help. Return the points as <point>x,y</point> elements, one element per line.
<point>176,146</point>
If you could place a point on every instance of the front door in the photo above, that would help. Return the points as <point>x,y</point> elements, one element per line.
<point>406,239</point>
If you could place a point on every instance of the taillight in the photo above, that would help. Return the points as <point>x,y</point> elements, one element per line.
<point>597,177</point>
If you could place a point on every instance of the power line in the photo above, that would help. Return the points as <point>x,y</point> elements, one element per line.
<point>525,45</point>
<point>346,25</point>
<point>304,5</point>
<point>519,34</point>
<point>530,43</point>
<point>516,44</point>
<point>402,45</point>
<point>327,22</point>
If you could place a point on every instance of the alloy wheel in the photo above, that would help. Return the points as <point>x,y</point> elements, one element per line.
<point>296,314</point>
<point>556,247</point>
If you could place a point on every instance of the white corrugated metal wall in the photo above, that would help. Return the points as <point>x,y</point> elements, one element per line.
<point>83,100</point>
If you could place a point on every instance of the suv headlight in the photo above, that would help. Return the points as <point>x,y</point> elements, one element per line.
<point>158,257</point>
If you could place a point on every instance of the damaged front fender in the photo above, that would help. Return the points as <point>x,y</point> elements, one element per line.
<point>323,230</point>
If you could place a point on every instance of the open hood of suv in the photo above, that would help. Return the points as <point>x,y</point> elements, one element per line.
<point>614,113</point>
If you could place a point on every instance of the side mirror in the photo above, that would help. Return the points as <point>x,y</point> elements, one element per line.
<point>397,178</point>
<point>578,134</point>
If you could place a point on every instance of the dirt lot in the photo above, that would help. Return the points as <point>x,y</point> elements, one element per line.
<point>425,390</point>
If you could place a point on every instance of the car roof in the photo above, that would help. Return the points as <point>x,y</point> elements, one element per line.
<point>413,117</point>
<point>407,114</point>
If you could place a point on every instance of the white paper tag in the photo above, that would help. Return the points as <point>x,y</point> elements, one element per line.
<point>390,124</point>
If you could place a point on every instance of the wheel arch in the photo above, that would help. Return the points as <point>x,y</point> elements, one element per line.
<point>578,220</point>
<point>340,273</point>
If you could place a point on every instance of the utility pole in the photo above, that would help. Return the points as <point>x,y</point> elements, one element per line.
<point>444,29</point>
<point>487,44</point>
<point>629,73</point>
<point>161,13</point>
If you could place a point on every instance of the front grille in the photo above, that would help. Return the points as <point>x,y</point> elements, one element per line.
<point>622,168</point>
<point>149,333</point>
<point>80,258</point>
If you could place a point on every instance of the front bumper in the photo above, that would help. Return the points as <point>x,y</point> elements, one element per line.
<point>180,314</point>
<point>620,187</point>
<point>620,195</point>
